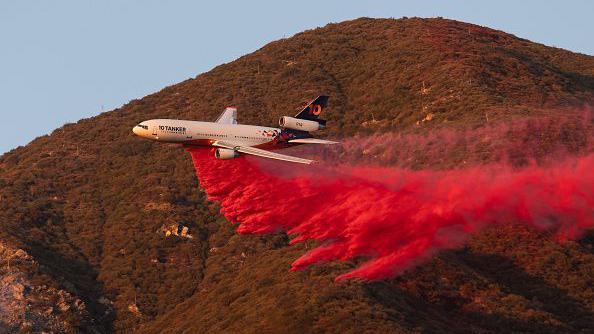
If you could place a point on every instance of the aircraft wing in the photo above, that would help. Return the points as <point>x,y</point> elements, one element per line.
<point>261,153</point>
<point>312,141</point>
<point>229,116</point>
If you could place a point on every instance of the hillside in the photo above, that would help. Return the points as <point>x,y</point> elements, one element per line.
<point>86,204</point>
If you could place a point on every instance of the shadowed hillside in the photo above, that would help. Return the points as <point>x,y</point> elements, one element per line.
<point>89,204</point>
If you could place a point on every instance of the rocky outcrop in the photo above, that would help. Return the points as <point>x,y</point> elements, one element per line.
<point>32,308</point>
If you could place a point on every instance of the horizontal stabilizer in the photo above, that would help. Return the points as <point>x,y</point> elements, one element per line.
<point>312,141</point>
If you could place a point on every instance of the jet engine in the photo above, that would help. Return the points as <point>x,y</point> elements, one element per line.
<point>299,124</point>
<point>225,154</point>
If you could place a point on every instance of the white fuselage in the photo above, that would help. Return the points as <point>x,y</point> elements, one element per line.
<point>205,133</point>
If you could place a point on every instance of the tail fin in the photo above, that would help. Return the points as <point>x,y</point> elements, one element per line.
<point>313,110</point>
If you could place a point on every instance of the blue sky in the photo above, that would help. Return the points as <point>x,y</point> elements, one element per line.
<point>61,61</point>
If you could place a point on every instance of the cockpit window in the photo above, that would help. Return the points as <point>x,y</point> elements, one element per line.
<point>143,126</point>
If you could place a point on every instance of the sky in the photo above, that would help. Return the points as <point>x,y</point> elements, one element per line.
<point>61,61</point>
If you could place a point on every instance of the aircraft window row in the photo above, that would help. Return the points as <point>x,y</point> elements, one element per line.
<point>212,135</point>
<point>225,136</point>
<point>244,137</point>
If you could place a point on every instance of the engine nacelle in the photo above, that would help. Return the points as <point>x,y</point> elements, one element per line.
<point>225,154</point>
<point>299,124</point>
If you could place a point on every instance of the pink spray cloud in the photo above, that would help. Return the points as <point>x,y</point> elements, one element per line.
<point>394,217</point>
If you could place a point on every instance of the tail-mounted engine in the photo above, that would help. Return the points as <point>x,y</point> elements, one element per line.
<point>301,124</point>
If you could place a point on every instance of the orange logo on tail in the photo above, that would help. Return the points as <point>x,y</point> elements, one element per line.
<point>315,109</point>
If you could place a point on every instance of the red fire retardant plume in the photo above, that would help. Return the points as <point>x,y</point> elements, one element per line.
<point>393,217</point>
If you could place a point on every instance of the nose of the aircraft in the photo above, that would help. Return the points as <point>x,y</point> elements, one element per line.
<point>136,130</point>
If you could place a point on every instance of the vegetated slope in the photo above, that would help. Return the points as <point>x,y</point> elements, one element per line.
<point>89,201</point>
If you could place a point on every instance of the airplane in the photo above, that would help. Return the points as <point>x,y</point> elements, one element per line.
<point>232,139</point>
